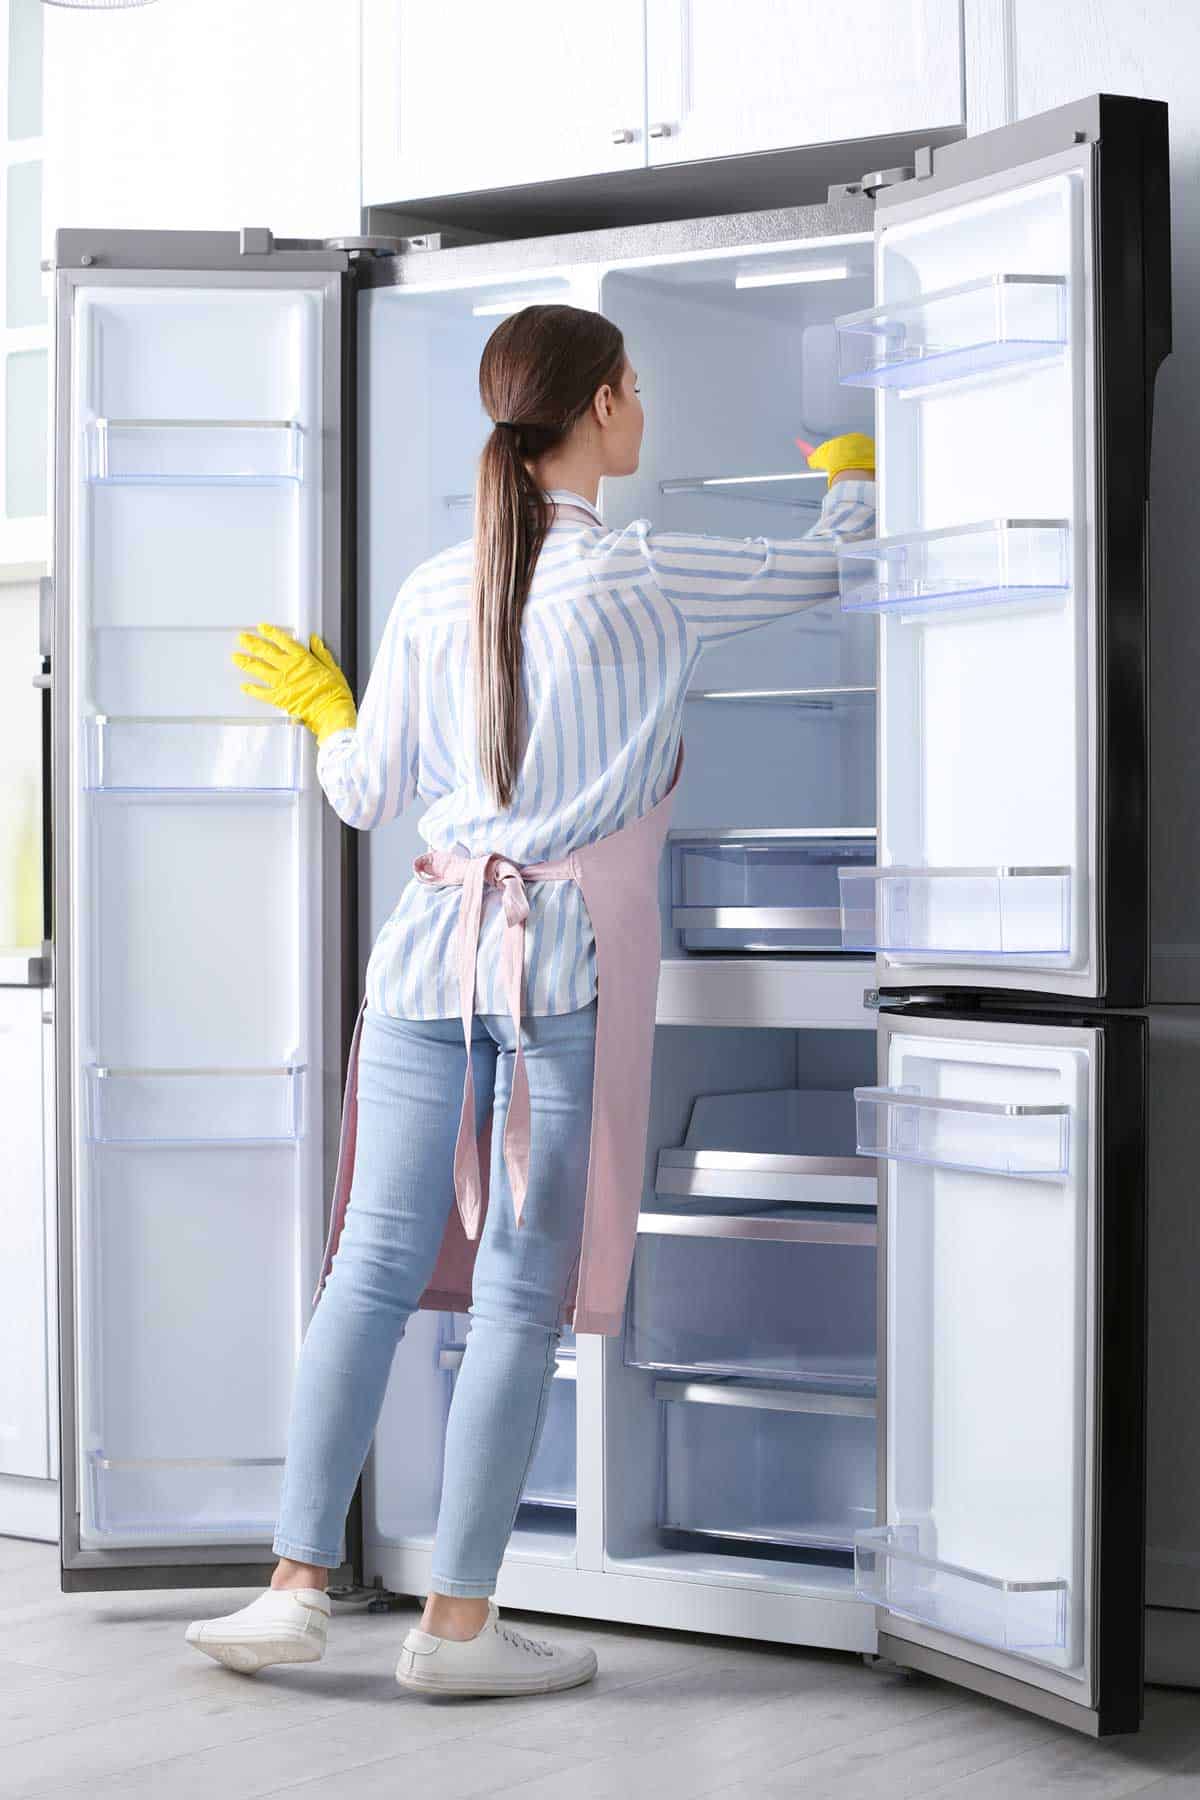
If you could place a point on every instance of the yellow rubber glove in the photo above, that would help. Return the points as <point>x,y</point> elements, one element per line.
<point>306,683</point>
<point>853,450</point>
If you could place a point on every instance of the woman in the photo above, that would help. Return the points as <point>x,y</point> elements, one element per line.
<point>529,690</point>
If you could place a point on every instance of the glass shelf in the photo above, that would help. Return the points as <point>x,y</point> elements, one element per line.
<point>195,1106</point>
<point>996,324</point>
<point>1017,1615</point>
<point>808,699</point>
<point>258,452</point>
<point>995,562</point>
<point>1017,912</point>
<point>768,890</point>
<point>987,1137</point>
<point>793,488</point>
<point>184,753</point>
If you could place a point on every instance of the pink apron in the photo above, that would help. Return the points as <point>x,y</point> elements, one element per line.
<point>618,876</point>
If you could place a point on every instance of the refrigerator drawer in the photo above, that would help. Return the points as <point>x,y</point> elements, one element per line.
<point>766,1465</point>
<point>200,451</point>
<point>926,574</point>
<point>762,891</point>
<point>202,754</point>
<point>786,1146</point>
<point>785,1297</point>
<point>990,1136</point>
<point>194,1106</point>
<point>994,323</point>
<point>996,912</point>
<point>1008,1612</point>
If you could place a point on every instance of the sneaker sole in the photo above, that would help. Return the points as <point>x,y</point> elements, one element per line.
<point>247,1658</point>
<point>466,1686</point>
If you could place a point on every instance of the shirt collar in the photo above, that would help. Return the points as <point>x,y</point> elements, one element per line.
<point>563,498</point>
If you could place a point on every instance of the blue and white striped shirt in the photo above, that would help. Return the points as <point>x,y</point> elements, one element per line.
<point>612,628</point>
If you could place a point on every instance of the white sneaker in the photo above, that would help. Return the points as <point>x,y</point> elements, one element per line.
<point>498,1660</point>
<point>284,1625</point>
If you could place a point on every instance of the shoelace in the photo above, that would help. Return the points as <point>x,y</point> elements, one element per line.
<point>520,1642</point>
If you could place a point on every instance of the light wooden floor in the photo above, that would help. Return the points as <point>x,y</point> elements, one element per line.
<point>101,1698</point>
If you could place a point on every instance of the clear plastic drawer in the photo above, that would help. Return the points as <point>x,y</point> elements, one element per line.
<point>191,753</point>
<point>788,1297</point>
<point>766,1465</point>
<point>787,1146</point>
<point>1011,1612</point>
<point>995,324</point>
<point>984,1135</point>
<point>774,890</point>
<point>201,451</point>
<point>929,574</point>
<point>1017,912</point>
<point>194,1106</point>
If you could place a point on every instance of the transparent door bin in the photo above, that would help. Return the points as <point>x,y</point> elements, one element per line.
<point>193,754</point>
<point>995,324</point>
<point>788,1298</point>
<point>1012,1614</point>
<point>1013,912</point>
<point>756,1465</point>
<point>194,451</point>
<point>205,1499</point>
<point>932,573</point>
<point>195,1106</point>
<point>988,1137</point>
<point>762,891</point>
<point>789,1146</point>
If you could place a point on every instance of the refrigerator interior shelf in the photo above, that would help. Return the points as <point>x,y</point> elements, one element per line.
<point>983,1136</point>
<point>1018,1615</point>
<point>1014,911</point>
<point>773,890</point>
<point>200,452</point>
<point>765,1179</point>
<point>814,699</point>
<point>993,562</point>
<point>791,488</point>
<point>992,325</point>
<point>815,1225</point>
<point>770,1399</point>
<point>195,1106</point>
<point>183,753</point>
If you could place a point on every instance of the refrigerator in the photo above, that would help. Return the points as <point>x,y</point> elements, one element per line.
<point>883,1384</point>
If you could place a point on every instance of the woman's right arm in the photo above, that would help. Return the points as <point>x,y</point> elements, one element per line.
<point>369,772</point>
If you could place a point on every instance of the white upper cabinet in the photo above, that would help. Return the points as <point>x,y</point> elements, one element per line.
<point>725,80</point>
<point>463,95</point>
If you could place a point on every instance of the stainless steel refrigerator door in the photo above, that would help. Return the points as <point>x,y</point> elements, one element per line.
<point>198,885</point>
<point>1009,1552</point>
<point>1021,311</point>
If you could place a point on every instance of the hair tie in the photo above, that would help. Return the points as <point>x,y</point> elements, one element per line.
<point>505,425</point>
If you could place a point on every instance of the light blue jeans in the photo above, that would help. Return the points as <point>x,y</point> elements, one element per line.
<point>410,1083</point>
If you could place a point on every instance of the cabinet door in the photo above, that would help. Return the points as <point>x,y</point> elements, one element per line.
<point>465,95</point>
<point>1009,1551</point>
<point>768,74</point>
<point>24,1393</point>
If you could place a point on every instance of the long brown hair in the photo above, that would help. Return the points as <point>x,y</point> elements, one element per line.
<point>540,368</point>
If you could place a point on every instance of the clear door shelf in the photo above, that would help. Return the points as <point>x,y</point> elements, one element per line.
<point>770,890</point>
<point>195,1106</point>
<point>766,1466</point>
<point>987,1136</point>
<point>790,488</point>
<point>200,452</point>
<point>1017,912</point>
<point>192,754</point>
<point>1020,1615</point>
<point>994,324</point>
<point>207,1499</point>
<point>995,562</point>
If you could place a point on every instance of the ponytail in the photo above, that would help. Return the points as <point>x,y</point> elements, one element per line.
<point>540,369</point>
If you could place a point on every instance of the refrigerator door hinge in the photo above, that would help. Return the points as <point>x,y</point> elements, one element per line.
<point>920,169</point>
<point>255,240</point>
<point>377,245</point>
<point>871,999</point>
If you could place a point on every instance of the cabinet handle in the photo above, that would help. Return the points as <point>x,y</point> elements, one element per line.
<point>622,136</point>
<point>660,130</point>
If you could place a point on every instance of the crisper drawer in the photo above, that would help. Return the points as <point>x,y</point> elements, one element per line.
<point>766,1465</point>
<point>792,1146</point>
<point>788,1297</point>
<point>769,890</point>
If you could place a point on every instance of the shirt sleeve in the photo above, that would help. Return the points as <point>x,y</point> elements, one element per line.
<point>724,585</point>
<point>369,772</point>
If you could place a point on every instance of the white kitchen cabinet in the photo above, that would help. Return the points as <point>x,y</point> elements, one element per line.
<point>769,74</point>
<point>464,95</point>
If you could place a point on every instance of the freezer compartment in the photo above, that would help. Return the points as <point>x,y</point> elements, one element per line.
<point>200,753</point>
<point>1009,1613</point>
<point>766,1465</point>
<point>787,1296</point>
<point>997,562</point>
<point>194,1106</point>
<point>762,891</point>
<point>993,324</point>
<point>977,912</point>
<point>792,1146</point>
<point>194,451</point>
<point>995,1137</point>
